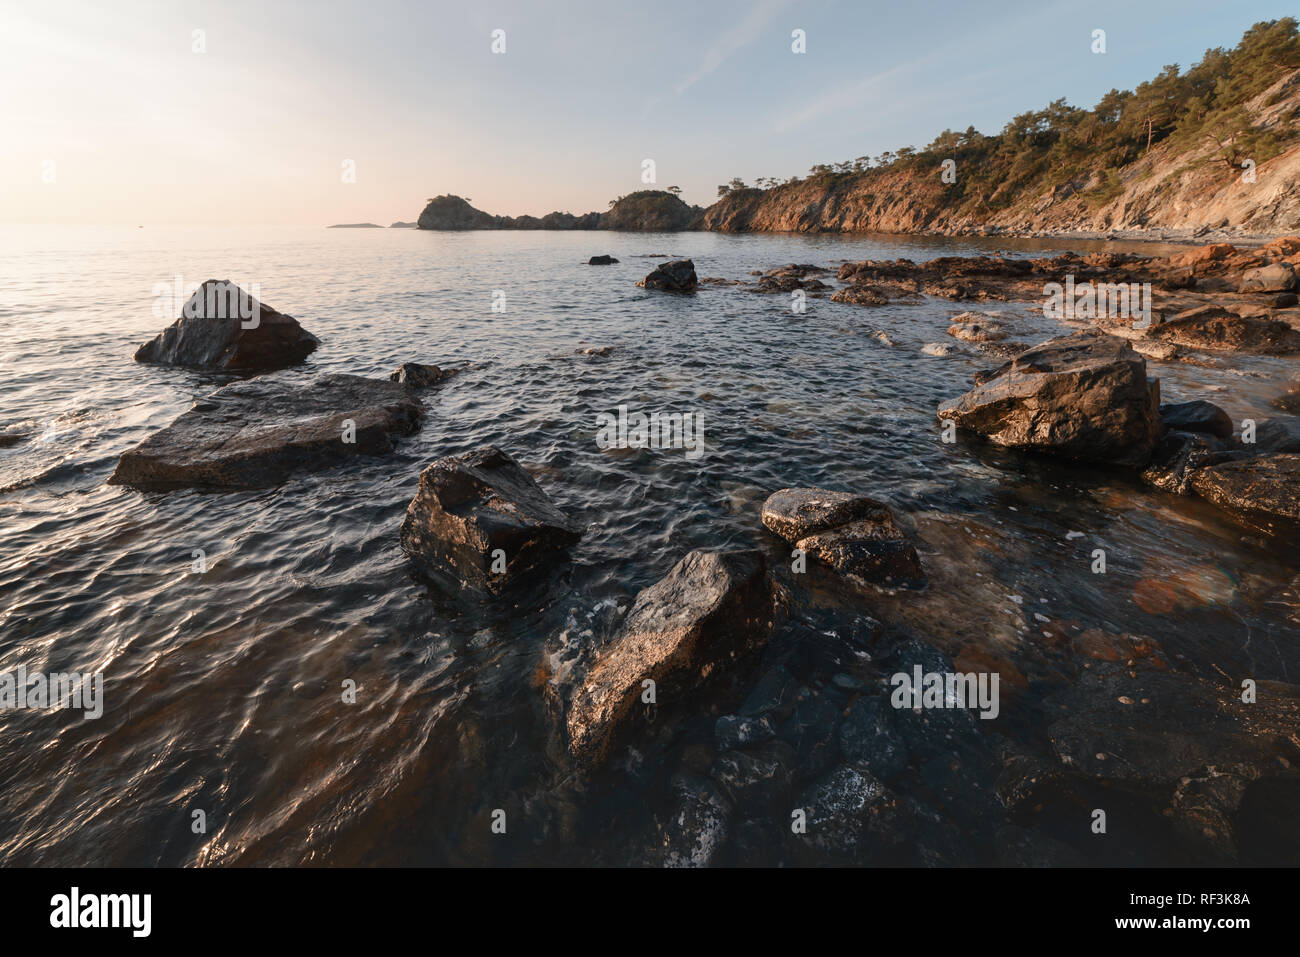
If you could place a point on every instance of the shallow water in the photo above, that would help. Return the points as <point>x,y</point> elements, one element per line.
<point>222,687</point>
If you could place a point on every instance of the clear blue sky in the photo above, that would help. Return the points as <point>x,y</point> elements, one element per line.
<point>256,129</point>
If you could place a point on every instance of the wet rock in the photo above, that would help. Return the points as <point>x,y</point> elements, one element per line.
<point>1156,351</point>
<point>12,435</point>
<point>601,261</point>
<point>1216,329</point>
<point>255,433</point>
<point>756,780</point>
<point>712,608</point>
<point>419,376</point>
<point>1176,458</point>
<point>811,729</point>
<point>1278,277</point>
<point>854,534</point>
<point>1265,491</point>
<point>211,333</point>
<point>1170,736</point>
<point>977,329</point>
<point>1289,401</point>
<point>860,295</point>
<point>789,278</point>
<point>852,818</point>
<point>1197,416</point>
<point>677,275</point>
<point>736,731</point>
<point>869,737</point>
<point>476,514</point>
<point>1276,435</point>
<point>775,693</point>
<point>696,831</point>
<point>1084,396</point>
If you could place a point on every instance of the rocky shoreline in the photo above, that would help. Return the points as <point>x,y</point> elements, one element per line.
<point>875,782</point>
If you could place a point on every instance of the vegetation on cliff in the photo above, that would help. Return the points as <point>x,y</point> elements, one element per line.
<point>1212,118</point>
<point>648,210</point>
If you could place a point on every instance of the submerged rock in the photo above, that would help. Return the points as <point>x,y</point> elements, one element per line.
<point>677,275</point>
<point>977,329</point>
<point>1197,416</point>
<point>1084,396</point>
<point>481,518</point>
<point>419,376</point>
<point>601,261</point>
<point>854,534</point>
<point>255,433</point>
<point>223,327</point>
<point>1265,490</point>
<point>710,609</point>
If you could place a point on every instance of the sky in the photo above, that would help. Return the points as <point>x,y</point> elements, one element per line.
<point>194,112</point>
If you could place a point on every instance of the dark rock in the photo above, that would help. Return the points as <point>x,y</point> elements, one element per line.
<point>712,608</point>
<point>1276,435</point>
<point>419,376</point>
<point>1192,747</point>
<point>601,261</point>
<point>775,693</point>
<point>697,829</point>
<point>211,334</point>
<point>852,818</point>
<point>677,275</point>
<point>854,534</point>
<point>1197,416</point>
<point>255,433</point>
<point>1084,396</point>
<point>869,736</point>
<point>757,780</point>
<point>1265,491</point>
<point>811,729</point>
<point>468,507</point>
<point>1176,458</point>
<point>736,731</point>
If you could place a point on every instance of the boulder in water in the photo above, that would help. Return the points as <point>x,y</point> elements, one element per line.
<point>481,518</point>
<point>677,275</point>
<point>711,609</point>
<point>254,433</point>
<point>1084,396</point>
<point>223,327</point>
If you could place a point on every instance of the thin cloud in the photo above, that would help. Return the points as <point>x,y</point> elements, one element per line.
<point>738,37</point>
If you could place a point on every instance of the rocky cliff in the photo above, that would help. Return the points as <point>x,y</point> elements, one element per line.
<point>1181,183</point>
